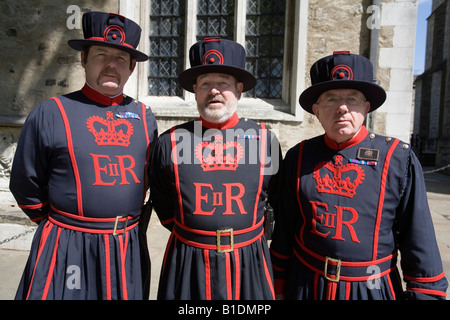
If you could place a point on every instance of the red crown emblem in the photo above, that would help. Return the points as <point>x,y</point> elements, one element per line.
<point>110,137</point>
<point>217,155</point>
<point>337,184</point>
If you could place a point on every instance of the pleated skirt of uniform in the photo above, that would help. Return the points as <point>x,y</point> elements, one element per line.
<point>191,273</point>
<point>305,284</point>
<point>66,264</point>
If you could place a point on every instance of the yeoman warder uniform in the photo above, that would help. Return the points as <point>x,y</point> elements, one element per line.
<point>346,210</point>
<point>80,172</point>
<point>208,186</point>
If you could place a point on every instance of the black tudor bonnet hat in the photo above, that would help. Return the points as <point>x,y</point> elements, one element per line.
<point>112,30</point>
<point>342,70</point>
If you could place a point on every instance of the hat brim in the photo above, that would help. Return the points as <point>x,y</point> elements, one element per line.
<point>81,44</point>
<point>372,92</point>
<point>188,77</point>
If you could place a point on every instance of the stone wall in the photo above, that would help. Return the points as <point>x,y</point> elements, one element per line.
<point>36,64</point>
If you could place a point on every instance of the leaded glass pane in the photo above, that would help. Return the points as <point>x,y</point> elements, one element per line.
<point>167,19</point>
<point>215,18</point>
<point>265,45</point>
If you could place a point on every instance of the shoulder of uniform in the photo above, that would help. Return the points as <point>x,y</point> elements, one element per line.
<point>250,122</point>
<point>389,140</point>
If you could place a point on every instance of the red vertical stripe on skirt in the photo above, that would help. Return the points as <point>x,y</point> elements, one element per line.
<point>52,267</point>
<point>331,290</point>
<point>267,272</point>
<point>228,276</point>
<point>123,253</point>
<point>207,275</point>
<point>237,284</point>
<point>107,267</point>
<point>348,286</point>
<point>316,284</point>
<point>390,286</point>
<point>44,236</point>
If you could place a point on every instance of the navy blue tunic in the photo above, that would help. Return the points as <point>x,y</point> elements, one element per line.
<point>344,213</point>
<point>208,186</point>
<point>80,170</point>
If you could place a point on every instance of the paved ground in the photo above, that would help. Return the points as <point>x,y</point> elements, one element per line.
<point>13,254</point>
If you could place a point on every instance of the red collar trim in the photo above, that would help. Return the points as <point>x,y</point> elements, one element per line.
<point>360,136</point>
<point>101,98</point>
<point>230,123</point>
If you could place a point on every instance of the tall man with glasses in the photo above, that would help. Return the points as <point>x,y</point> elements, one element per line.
<point>351,199</point>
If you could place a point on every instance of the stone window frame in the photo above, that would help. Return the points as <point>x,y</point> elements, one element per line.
<point>294,64</point>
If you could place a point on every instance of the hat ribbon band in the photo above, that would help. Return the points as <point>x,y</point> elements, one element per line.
<point>102,39</point>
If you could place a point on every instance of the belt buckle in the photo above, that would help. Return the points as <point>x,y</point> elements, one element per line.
<point>115,233</point>
<point>338,269</point>
<point>219,233</point>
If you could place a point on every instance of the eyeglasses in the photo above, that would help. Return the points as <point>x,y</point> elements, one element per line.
<point>349,101</point>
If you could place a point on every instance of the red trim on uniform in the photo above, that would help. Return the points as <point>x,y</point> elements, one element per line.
<point>280,285</point>
<point>72,155</point>
<point>214,233</point>
<point>38,219</point>
<point>89,230</point>
<point>52,267</point>
<point>299,167</point>
<point>261,170</point>
<point>175,171</point>
<point>33,206</point>
<point>91,219</point>
<point>425,279</point>
<point>358,138</point>
<point>230,123</point>
<point>107,267</point>
<point>316,285</point>
<point>207,275</point>
<point>213,246</point>
<point>165,222</point>
<point>101,98</point>
<point>391,287</point>
<point>237,275</point>
<point>123,254</point>
<point>331,290</point>
<point>147,156</point>
<point>279,256</point>
<point>167,251</point>
<point>228,276</point>
<point>211,39</point>
<point>348,287</point>
<point>267,273</point>
<point>279,269</point>
<point>42,241</point>
<point>429,292</point>
<point>103,40</point>
<point>381,198</point>
<point>345,263</point>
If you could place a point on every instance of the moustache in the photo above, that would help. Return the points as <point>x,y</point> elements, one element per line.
<point>218,98</point>
<point>109,72</point>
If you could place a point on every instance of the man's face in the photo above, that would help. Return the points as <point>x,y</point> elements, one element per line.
<point>341,113</point>
<point>217,96</point>
<point>107,69</point>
